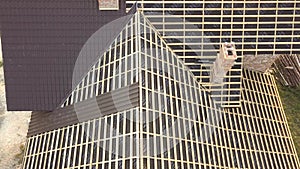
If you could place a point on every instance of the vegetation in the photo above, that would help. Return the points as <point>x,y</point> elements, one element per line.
<point>290,97</point>
<point>20,155</point>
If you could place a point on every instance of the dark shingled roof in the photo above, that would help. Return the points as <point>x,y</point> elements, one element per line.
<point>41,40</point>
<point>92,108</point>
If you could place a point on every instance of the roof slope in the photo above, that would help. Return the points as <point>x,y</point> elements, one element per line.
<point>41,41</point>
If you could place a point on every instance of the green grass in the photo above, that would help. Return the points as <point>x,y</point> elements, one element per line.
<point>291,102</point>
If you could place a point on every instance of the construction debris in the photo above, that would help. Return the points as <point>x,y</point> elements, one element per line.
<point>287,68</point>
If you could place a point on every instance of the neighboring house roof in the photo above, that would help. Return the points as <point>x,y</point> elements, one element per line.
<point>259,63</point>
<point>41,41</point>
<point>285,67</point>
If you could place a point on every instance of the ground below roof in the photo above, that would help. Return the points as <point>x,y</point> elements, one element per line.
<point>13,130</point>
<point>290,97</point>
